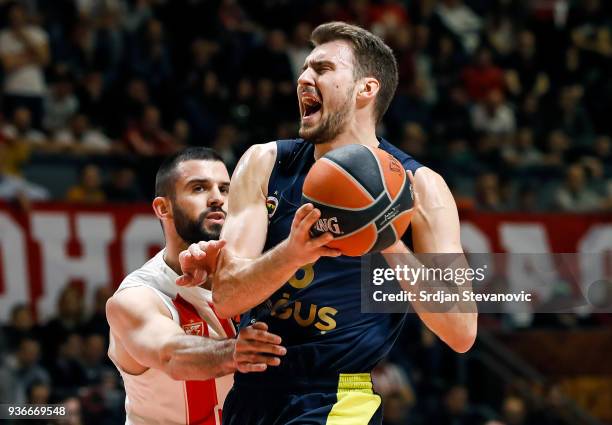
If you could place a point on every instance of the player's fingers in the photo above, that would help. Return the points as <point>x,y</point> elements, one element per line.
<point>259,335</point>
<point>329,252</point>
<point>208,246</point>
<point>184,280</point>
<point>250,367</point>
<point>263,326</point>
<point>302,212</point>
<point>260,347</point>
<point>322,240</point>
<point>308,222</point>
<point>185,259</point>
<point>257,358</point>
<point>196,252</point>
<point>199,276</point>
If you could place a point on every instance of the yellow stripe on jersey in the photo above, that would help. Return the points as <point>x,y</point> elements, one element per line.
<point>356,403</point>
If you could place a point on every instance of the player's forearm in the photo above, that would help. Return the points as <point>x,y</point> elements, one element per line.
<point>457,325</point>
<point>240,284</point>
<point>192,357</point>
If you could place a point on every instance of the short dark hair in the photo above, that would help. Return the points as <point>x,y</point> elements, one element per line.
<point>166,176</point>
<point>373,58</point>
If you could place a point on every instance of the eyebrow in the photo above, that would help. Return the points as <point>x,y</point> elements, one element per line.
<point>318,64</point>
<point>198,180</point>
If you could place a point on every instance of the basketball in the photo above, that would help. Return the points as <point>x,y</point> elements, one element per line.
<point>364,197</point>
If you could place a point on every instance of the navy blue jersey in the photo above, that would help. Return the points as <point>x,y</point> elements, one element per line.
<point>317,312</point>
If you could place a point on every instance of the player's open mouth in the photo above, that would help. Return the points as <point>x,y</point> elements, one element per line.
<point>310,106</point>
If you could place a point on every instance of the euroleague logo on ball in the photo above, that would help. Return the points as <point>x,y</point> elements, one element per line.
<point>394,164</point>
<point>328,225</point>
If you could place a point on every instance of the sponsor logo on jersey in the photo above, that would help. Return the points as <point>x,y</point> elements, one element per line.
<point>196,328</point>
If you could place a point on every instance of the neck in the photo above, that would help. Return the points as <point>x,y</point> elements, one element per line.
<point>171,256</point>
<point>354,134</point>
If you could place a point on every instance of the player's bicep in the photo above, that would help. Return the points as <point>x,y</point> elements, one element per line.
<point>435,223</point>
<point>141,321</point>
<point>246,224</point>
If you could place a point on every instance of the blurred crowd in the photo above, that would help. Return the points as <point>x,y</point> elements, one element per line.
<point>62,360</point>
<point>508,99</point>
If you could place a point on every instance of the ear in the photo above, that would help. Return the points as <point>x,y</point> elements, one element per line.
<point>162,207</point>
<point>368,89</point>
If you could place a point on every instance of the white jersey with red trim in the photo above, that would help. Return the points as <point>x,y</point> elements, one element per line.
<point>153,397</point>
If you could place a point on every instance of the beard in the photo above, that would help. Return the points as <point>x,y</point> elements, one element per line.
<point>330,127</point>
<point>194,231</point>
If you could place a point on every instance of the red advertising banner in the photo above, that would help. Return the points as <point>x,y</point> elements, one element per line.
<point>56,244</point>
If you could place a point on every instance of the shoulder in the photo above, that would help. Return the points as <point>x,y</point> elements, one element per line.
<point>265,152</point>
<point>134,305</point>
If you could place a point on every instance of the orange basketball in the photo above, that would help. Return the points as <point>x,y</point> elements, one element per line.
<point>364,197</point>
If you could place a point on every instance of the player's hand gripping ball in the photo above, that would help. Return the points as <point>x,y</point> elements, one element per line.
<point>364,197</point>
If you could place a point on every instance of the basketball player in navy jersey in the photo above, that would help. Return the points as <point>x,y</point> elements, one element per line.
<point>272,270</point>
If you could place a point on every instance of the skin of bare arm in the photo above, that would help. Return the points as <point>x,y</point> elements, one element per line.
<point>245,277</point>
<point>144,336</point>
<point>435,229</point>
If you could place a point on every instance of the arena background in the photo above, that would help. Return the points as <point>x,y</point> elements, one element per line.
<point>509,100</point>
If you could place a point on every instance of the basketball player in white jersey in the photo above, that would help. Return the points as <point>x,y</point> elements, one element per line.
<point>176,356</point>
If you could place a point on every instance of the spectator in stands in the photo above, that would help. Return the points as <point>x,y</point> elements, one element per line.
<point>79,138</point>
<point>94,101</point>
<point>482,76</point>
<point>488,194</point>
<point>243,104</point>
<point>521,152</point>
<point>575,195</point>
<point>39,392</point>
<point>65,367</point>
<point>20,371</point>
<point>21,326</point>
<point>122,187</point>
<point>456,409</point>
<point>182,132</point>
<point>21,129</point>
<point>414,140</point>
<point>452,116</point>
<point>89,189</point>
<point>558,145</point>
<point>133,103</point>
<point>73,409</point>
<point>501,33</point>
<point>527,199</point>
<point>461,21</point>
<point>525,74</point>
<point>299,48</point>
<point>68,321</point>
<point>15,154</point>
<point>14,188</point>
<point>97,323</point>
<point>93,358</point>
<point>24,52</point>
<point>390,381</point>
<point>226,144</point>
<point>60,103</point>
<point>204,58</point>
<point>446,66</point>
<point>494,115</point>
<point>571,117</point>
<point>150,58</point>
<point>148,138</point>
<point>514,411</point>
